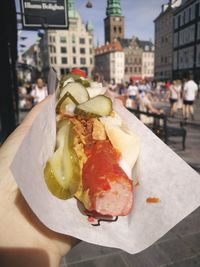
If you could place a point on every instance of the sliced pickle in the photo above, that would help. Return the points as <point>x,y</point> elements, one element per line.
<point>84,82</point>
<point>67,77</point>
<point>98,106</point>
<point>62,171</point>
<point>77,91</point>
<point>66,100</point>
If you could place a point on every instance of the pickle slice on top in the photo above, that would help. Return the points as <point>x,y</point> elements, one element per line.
<point>78,91</point>
<point>99,106</point>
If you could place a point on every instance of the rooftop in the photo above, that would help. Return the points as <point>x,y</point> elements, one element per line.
<point>113,47</point>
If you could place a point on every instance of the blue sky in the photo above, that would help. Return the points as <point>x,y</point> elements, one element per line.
<point>139,16</point>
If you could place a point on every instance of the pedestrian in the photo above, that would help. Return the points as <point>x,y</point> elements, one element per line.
<point>39,91</point>
<point>142,87</point>
<point>132,94</point>
<point>190,91</point>
<point>174,96</point>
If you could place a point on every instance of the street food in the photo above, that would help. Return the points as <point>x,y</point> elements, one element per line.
<point>94,153</point>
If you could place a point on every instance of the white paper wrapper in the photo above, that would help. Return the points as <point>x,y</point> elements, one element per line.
<point>160,171</point>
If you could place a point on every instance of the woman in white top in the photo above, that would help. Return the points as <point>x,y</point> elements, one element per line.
<point>174,96</point>
<point>132,94</point>
<point>39,92</point>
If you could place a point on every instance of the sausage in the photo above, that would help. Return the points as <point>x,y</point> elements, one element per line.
<point>106,187</point>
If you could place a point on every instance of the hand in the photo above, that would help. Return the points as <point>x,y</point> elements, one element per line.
<point>24,240</point>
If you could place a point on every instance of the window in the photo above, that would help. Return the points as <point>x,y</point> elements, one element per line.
<point>82,40</point>
<point>186,15</point>
<point>189,13</point>
<point>90,51</point>
<point>63,39</point>
<point>90,41</point>
<point>73,39</point>
<point>193,12</point>
<point>120,29</point>
<point>55,61</point>
<point>198,30</point>
<point>82,61</point>
<point>176,39</point>
<point>64,71</point>
<point>91,61</point>
<point>198,56</point>
<point>179,20</point>
<point>74,60</point>
<point>64,60</point>
<point>52,39</point>
<point>63,50</point>
<point>82,50</point>
<point>73,50</point>
<point>176,22</point>
<point>114,29</point>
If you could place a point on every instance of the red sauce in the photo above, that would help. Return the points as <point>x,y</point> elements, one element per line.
<point>101,168</point>
<point>152,200</point>
<point>91,219</point>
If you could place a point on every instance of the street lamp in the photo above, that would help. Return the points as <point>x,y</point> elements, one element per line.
<point>89,4</point>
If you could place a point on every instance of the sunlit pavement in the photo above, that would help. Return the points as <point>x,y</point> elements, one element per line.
<point>180,247</point>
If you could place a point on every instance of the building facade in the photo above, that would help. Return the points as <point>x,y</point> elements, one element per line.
<point>139,58</point>
<point>148,55</point>
<point>164,41</point>
<point>109,62</point>
<point>187,40</point>
<point>29,65</point>
<point>114,21</point>
<point>67,49</point>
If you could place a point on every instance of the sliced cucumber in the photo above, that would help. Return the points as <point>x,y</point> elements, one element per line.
<point>77,91</point>
<point>62,171</point>
<point>98,106</point>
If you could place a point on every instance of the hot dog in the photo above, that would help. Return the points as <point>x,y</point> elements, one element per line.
<point>94,153</point>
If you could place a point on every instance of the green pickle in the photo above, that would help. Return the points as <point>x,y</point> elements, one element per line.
<point>62,170</point>
<point>97,106</point>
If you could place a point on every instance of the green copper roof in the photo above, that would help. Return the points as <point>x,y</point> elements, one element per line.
<point>89,26</point>
<point>71,9</point>
<point>113,8</point>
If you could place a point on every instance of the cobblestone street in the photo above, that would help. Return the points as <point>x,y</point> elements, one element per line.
<point>180,247</point>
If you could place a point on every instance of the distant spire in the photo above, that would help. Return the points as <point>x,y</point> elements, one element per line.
<point>89,26</point>
<point>71,9</point>
<point>113,8</point>
<point>71,5</point>
<point>97,41</point>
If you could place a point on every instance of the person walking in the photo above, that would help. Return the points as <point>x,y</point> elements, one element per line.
<point>174,96</point>
<point>39,91</point>
<point>190,90</point>
<point>132,93</point>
